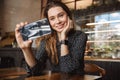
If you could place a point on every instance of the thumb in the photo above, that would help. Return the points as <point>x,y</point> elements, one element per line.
<point>30,41</point>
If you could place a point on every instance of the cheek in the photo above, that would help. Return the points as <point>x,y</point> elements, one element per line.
<point>52,24</point>
<point>66,19</point>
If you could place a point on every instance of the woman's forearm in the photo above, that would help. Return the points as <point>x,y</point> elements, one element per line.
<point>29,57</point>
<point>64,49</point>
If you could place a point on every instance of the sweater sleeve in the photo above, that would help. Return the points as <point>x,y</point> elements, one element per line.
<point>41,58</point>
<point>74,61</point>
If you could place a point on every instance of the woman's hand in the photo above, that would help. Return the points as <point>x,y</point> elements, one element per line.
<point>68,27</point>
<point>22,44</point>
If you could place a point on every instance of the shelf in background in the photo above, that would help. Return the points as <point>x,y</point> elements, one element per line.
<point>101,59</point>
<point>104,41</point>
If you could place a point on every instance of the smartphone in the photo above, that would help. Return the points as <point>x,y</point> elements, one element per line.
<point>35,29</point>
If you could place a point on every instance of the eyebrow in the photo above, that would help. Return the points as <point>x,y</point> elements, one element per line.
<point>58,14</point>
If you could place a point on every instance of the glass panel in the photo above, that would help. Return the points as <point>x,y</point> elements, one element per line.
<point>83,4</point>
<point>104,37</point>
<point>71,5</point>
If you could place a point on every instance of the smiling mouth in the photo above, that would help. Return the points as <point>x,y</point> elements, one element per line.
<point>60,26</point>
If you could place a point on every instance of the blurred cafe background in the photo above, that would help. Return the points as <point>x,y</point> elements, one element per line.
<point>99,19</point>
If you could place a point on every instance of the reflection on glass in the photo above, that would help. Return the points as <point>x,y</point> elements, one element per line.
<point>82,4</point>
<point>104,37</point>
<point>71,5</point>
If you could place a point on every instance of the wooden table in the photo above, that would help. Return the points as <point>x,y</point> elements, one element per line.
<point>62,76</point>
<point>11,73</point>
<point>17,73</point>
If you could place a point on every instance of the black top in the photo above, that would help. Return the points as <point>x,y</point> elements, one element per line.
<point>70,63</point>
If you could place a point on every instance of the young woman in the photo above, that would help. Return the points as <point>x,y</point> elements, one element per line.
<point>64,47</point>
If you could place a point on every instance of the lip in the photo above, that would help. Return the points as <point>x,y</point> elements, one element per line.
<point>60,26</point>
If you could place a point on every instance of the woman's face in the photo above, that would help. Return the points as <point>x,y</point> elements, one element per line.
<point>58,18</point>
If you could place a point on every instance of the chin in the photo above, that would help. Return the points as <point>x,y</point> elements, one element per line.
<point>60,30</point>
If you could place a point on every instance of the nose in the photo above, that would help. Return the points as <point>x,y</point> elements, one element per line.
<point>57,20</point>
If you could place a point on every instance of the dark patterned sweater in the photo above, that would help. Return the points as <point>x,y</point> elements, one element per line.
<point>70,63</point>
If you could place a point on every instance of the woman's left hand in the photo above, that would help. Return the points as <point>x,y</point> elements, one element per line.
<point>68,27</point>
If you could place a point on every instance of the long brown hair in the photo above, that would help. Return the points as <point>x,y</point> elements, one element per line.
<point>52,38</point>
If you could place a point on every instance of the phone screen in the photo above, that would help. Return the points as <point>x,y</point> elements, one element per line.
<point>35,29</point>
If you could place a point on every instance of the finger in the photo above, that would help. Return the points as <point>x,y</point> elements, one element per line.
<point>67,25</point>
<point>17,33</point>
<point>22,24</point>
<point>70,23</point>
<point>26,23</point>
<point>30,41</point>
<point>17,28</point>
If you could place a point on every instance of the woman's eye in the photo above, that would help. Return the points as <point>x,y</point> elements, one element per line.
<point>52,19</point>
<point>61,15</point>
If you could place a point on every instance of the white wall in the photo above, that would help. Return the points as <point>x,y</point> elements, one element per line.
<point>16,11</point>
